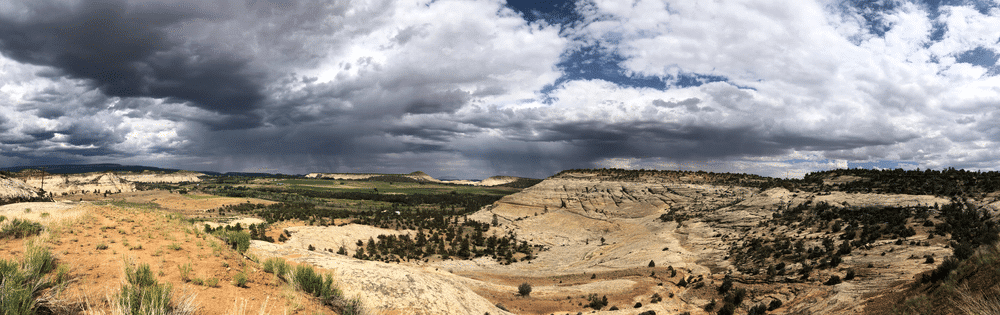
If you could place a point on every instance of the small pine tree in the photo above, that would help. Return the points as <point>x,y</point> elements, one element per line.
<point>652,264</point>
<point>524,289</point>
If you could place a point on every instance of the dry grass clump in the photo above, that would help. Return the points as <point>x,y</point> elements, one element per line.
<point>141,293</point>
<point>978,304</point>
<point>321,286</point>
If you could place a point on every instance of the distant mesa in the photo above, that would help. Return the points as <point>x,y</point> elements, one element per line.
<point>417,176</point>
<point>175,177</point>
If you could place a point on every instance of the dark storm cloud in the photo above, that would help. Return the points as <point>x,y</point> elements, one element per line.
<point>597,140</point>
<point>394,86</point>
<point>127,50</point>
<point>444,101</point>
<point>442,132</point>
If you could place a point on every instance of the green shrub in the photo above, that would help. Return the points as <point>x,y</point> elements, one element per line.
<point>352,307</point>
<point>185,271</point>
<point>277,266</point>
<point>942,271</point>
<point>38,261</point>
<point>319,286</point>
<point>102,246</point>
<point>212,282</point>
<point>142,294</point>
<point>16,298</point>
<point>18,228</point>
<point>268,265</point>
<point>240,280</point>
<point>238,240</point>
<point>21,283</point>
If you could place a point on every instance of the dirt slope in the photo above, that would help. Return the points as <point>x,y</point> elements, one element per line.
<point>94,241</point>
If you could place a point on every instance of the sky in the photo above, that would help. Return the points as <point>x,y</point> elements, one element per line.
<point>471,89</point>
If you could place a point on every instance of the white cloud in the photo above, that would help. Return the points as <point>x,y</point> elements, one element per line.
<point>815,70</point>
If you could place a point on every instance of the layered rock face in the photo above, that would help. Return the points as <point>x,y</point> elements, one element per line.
<point>89,183</point>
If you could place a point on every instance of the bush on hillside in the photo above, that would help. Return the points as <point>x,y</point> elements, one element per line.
<point>524,289</point>
<point>18,228</point>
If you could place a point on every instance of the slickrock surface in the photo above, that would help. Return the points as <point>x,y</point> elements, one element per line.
<point>16,188</point>
<point>332,237</point>
<point>391,288</point>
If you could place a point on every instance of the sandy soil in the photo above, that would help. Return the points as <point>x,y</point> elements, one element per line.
<point>148,237</point>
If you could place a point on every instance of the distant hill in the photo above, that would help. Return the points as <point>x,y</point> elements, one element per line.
<point>111,167</point>
<point>86,168</point>
<point>419,176</point>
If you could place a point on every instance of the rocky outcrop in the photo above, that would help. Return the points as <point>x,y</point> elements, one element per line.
<point>12,189</point>
<point>89,183</point>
